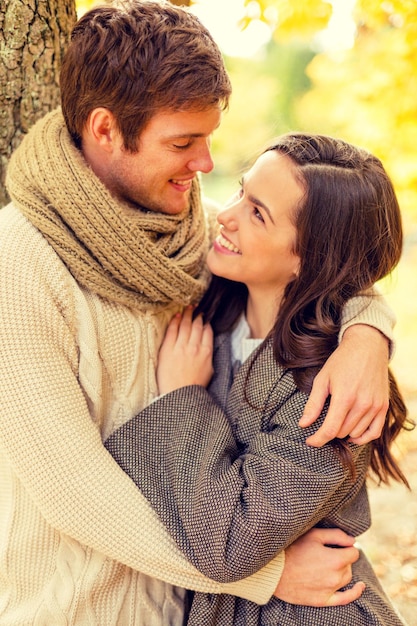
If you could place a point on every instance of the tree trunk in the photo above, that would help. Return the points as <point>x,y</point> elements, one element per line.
<point>33,37</point>
<point>186,3</point>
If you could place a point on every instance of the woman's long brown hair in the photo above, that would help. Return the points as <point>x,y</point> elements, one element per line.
<point>349,236</point>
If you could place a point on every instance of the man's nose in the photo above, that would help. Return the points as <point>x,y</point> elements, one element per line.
<point>202,161</point>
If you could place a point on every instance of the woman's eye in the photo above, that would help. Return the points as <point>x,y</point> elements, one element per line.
<point>258,214</point>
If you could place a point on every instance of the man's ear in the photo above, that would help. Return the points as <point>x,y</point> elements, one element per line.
<point>102,129</point>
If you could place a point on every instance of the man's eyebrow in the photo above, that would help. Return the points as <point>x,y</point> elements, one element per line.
<point>194,135</point>
<point>186,135</point>
<point>258,202</point>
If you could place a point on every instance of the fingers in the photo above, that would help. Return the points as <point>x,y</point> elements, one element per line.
<point>186,325</point>
<point>362,416</point>
<point>343,558</point>
<point>185,355</point>
<point>332,427</point>
<point>370,433</point>
<point>362,422</point>
<point>315,403</point>
<point>207,337</point>
<point>369,427</point>
<point>171,334</point>
<point>355,378</point>
<point>340,598</point>
<point>182,329</point>
<point>317,565</point>
<point>332,537</point>
<point>197,336</point>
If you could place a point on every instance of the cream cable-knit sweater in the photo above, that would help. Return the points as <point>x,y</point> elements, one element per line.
<point>79,544</point>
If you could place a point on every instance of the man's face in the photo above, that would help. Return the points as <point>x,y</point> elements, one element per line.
<point>172,148</point>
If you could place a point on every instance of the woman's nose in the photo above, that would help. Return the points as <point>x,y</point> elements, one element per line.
<point>227,217</point>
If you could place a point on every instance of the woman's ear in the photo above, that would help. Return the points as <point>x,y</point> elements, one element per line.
<point>297,265</point>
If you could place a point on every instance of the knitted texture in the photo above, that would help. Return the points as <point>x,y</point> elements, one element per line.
<point>79,544</point>
<point>138,258</point>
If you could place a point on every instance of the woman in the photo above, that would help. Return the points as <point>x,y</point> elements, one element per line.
<point>315,223</point>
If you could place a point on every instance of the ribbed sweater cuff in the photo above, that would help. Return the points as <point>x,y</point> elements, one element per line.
<point>260,586</point>
<point>372,310</point>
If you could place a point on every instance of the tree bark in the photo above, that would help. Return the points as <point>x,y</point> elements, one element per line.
<point>33,37</point>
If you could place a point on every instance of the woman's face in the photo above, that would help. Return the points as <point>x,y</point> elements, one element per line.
<point>257,232</point>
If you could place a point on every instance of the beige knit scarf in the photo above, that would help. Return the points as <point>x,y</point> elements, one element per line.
<point>140,259</point>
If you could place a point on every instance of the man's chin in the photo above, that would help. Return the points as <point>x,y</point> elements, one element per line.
<point>167,209</point>
<point>175,208</point>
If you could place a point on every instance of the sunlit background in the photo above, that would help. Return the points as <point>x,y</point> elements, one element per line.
<point>347,68</point>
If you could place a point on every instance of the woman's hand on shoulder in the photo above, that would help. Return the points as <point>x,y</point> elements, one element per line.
<point>186,353</point>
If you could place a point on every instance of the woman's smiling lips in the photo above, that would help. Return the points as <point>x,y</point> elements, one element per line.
<point>223,245</point>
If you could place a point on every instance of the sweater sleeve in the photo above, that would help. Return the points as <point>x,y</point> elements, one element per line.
<point>373,310</point>
<point>52,444</point>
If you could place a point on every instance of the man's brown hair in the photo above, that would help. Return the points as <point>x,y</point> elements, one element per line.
<point>136,58</point>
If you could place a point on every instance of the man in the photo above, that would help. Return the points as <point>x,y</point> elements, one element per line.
<point>104,240</point>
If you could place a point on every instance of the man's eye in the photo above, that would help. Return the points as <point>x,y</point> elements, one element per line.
<point>182,146</point>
